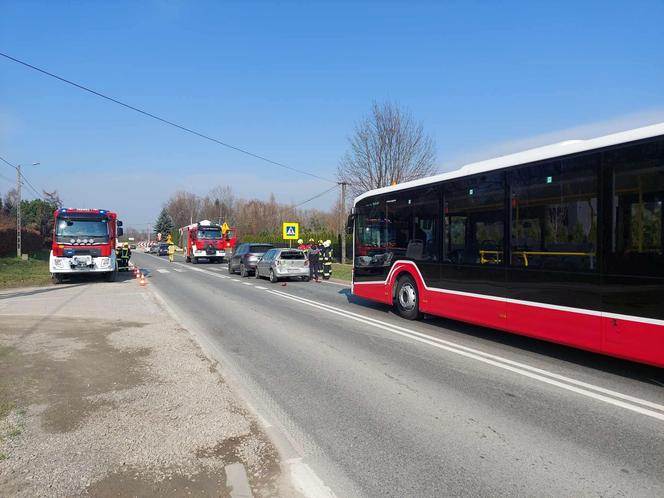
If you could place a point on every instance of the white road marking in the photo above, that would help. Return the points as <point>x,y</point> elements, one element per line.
<point>179,270</point>
<point>584,388</point>
<point>214,269</point>
<point>306,481</point>
<point>163,270</point>
<point>247,283</point>
<point>544,376</point>
<point>336,283</point>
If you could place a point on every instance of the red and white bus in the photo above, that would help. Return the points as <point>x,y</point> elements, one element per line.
<point>562,243</point>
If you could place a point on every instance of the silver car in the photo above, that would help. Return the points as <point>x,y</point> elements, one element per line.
<point>283,264</point>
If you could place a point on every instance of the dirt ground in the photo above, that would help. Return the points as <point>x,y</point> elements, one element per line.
<point>115,407</point>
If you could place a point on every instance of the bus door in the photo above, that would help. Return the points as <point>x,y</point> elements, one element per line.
<point>473,260</point>
<point>633,280</point>
<point>552,272</point>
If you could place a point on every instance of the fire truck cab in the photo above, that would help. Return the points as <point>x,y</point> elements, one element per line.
<point>84,241</point>
<point>207,240</point>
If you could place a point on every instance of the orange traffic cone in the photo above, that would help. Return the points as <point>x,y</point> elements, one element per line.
<point>142,280</point>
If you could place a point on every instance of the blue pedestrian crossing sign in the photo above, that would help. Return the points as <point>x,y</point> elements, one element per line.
<point>291,231</point>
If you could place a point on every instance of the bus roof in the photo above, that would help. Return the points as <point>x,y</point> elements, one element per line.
<point>528,156</point>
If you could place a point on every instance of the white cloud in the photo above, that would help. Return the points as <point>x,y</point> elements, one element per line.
<point>581,132</point>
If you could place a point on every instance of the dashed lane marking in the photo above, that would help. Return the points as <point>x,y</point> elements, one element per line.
<point>163,270</point>
<point>247,283</point>
<point>179,270</point>
<point>261,288</point>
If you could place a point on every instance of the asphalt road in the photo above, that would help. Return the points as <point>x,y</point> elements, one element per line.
<point>379,406</point>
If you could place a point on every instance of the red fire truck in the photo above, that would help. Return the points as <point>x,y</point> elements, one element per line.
<point>207,240</point>
<point>84,241</point>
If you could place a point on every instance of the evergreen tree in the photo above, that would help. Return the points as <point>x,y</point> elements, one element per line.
<point>164,224</point>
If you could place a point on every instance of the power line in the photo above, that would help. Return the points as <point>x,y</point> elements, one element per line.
<point>163,120</point>
<point>32,187</point>
<point>315,196</point>
<point>6,178</point>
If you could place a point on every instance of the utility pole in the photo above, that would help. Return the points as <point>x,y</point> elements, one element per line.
<point>342,222</point>
<point>18,211</point>
<point>19,184</point>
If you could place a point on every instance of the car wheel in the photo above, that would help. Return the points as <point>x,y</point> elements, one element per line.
<point>243,271</point>
<point>256,274</point>
<point>407,299</point>
<point>273,277</point>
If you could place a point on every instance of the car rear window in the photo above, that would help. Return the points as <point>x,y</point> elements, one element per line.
<point>259,248</point>
<point>292,255</point>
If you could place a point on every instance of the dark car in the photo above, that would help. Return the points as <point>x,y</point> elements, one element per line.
<point>163,250</point>
<point>246,256</point>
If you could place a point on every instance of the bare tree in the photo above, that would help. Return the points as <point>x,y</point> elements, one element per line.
<point>387,146</point>
<point>220,204</point>
<point>184,208</point>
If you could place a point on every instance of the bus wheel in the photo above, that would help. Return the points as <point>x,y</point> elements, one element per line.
<point>406,300</point>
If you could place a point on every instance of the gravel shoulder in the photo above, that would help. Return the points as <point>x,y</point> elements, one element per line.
<point>102,393</point>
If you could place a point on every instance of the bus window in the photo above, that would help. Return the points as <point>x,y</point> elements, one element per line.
<point>637,239</point>
<point>425,209</point>
<point>381,233</point>
<point>474,220</point>
<point>554,215</point>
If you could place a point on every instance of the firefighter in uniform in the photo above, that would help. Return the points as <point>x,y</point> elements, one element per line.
<point>123,254</point>
<point>171,251</point>
<point>327,259</point>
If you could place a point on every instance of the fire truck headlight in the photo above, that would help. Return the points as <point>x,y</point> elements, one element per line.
<point>59,262</point>
<point>105,262</point>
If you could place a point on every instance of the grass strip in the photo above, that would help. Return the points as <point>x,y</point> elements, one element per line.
<point>342,272</point>
<point>15,272</point>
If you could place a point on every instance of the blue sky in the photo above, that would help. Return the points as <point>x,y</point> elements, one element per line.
<point>288,80</point>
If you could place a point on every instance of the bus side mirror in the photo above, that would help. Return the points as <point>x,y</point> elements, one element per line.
<point>120,232</point>
<point>349,224</point>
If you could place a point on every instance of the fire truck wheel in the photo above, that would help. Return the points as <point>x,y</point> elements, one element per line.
<point>188,259</point>
<point>194,261</point>
<point>111,275</point>
<point>57,278</point>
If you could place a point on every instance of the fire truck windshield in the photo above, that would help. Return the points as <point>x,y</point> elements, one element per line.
<point>68,229</point>
<point>209,234</point>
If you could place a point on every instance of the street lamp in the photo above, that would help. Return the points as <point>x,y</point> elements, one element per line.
<point>19,182</point>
